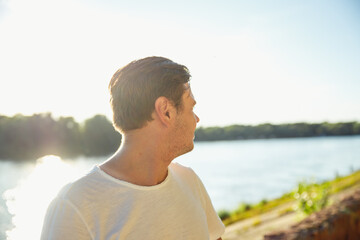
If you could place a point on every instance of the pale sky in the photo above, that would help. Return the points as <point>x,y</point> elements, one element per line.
<point>251,61</point>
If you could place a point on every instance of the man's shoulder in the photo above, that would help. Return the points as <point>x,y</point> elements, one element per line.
<point>79,186</point>
<point>181,169</point>
<point>183,172</point>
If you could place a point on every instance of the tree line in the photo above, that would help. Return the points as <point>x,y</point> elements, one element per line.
<point>31,137</point>
<point>263,131</point>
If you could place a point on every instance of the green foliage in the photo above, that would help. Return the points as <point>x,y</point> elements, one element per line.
<point>263,202</point>
<point>235,132</point>
<point>257,221</point>
<point>311,197</point>
<point>224,214</point>
<point>30,137</point>
<point>246,210</point>
<point>243,207</point>
<point>99,137</point>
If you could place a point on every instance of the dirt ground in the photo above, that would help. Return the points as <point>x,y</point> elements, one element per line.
<point>256,227</point>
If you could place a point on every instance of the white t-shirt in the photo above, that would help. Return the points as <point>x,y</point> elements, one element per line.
<point>98,206</point>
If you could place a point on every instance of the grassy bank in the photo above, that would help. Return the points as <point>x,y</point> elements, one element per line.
<point>323,190</point>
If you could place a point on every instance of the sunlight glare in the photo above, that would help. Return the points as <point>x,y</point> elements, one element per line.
<point>29,200</point>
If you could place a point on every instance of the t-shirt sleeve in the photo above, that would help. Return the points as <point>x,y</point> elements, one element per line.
<point>63,221</point>
<point>215,226</point>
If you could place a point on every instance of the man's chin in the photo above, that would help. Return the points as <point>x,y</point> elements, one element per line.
<point>187,149</point>
<point>190,147</point>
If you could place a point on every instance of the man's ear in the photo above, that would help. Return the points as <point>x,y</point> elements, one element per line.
<point>164,110</point>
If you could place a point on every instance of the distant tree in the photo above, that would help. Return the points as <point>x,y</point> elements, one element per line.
<point>99,136</point>
<point>68,137</point>
<point>356,128</point>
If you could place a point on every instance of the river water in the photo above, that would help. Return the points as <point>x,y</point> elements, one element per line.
<point>232,171</point>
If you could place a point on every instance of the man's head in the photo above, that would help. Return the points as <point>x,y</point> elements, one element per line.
<point>135,88</point>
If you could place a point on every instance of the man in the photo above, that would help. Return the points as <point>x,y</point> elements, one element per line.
<point>139,193</point>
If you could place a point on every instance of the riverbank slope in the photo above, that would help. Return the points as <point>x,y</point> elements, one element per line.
<point>283,216</point>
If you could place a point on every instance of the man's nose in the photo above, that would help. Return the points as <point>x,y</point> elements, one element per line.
<point>197,118</point>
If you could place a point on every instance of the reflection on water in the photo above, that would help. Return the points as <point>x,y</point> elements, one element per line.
<point>28,201</point>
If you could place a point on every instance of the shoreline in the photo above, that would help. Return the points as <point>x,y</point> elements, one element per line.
<point>282,215</point>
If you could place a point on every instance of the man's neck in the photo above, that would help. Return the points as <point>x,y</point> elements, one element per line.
<point>139,160</point>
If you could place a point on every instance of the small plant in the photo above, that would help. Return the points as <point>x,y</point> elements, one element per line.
<point>243,207</point>
<point>285,211</point>
<point>311,197</point>
<point>263,202</point>
<point>224,214</point>
<point>256,221</point>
